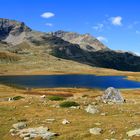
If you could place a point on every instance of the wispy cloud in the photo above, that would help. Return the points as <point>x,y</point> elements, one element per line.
<point>49,24</point>
<point>133,25</point>
<point>48,15</point>
<point>117,21</point>
<point>102,39</point>
<point>98,27</point>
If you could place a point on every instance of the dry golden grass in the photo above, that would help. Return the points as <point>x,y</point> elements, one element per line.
<point>8,57</point>
<point>120,118</point>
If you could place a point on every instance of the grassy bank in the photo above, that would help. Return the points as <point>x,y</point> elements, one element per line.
<point>120,118</point>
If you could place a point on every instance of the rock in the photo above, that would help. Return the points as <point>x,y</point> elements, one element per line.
<point>32,133</point>
<point>65,121</point>
<point>94,103</point>
<point>95,131</point>
<point>135,132</point>
<point>26,106</point>
<point>112,95</point>
<point>91,109</point>
<point>12,131</point>
<point>103,114</point>
<point>24,135</point>
<point>97,123</point>
<point>75,107</point>
<point>26,138</point>
<point>112,131</point>
<point>19,125</point>
<point>50,120</point>
<point>43,96</point>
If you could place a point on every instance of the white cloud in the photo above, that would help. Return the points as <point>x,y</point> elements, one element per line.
<point>49,24</point>
<point>117,21</point>
<point>98,27</point>
<point>48,15</point>
<point>102,38</point>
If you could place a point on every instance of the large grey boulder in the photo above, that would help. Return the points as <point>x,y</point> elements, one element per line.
<point>112,95</point>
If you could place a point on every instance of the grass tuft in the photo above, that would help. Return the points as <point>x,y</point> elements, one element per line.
<point>56,98</point>
<point>68,104</point>
<point>17,97</point>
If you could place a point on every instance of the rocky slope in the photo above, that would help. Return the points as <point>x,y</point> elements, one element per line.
<point>20,40</point>
<point>85,41</point>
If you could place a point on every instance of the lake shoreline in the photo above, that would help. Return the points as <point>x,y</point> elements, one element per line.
<point>134,76</point>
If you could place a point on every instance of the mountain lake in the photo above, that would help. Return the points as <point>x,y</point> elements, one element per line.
<point>69,81</point>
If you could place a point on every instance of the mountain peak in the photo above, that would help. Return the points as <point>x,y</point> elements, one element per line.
<point>86,41</point>
<point>10,29</point>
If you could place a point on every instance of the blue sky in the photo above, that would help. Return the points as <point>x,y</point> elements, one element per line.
<point>115,22</point>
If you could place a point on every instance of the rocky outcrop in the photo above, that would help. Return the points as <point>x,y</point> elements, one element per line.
<point>19,129</point>
<point>112,95</point>
<point>12,31</point>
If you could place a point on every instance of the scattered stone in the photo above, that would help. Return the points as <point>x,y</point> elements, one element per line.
<point>75,107</point>
<point>95,131</point>
<point>135,132</point>
<point>19,125</point>
<point>112,95</point>
<point>103,114</point>
<point>65,121</point>
<point>91,109</point>
<point>97,123</point>
<point>112,131</point>
<point>94,103</point>
<point>50,120</point>
<point>26,138</point>
<point>43,96</point>
<point>26,106</point>
<point>12,131</point>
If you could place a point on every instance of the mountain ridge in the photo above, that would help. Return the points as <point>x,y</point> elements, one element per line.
<point>19,39</point>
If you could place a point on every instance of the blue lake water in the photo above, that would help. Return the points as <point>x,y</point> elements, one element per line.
<point>79,81</point>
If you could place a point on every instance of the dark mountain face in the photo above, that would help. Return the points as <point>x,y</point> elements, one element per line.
<point>105,59</point>
<point>18,39</point>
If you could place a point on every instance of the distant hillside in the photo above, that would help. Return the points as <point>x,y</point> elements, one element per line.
<point>32,47</point>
